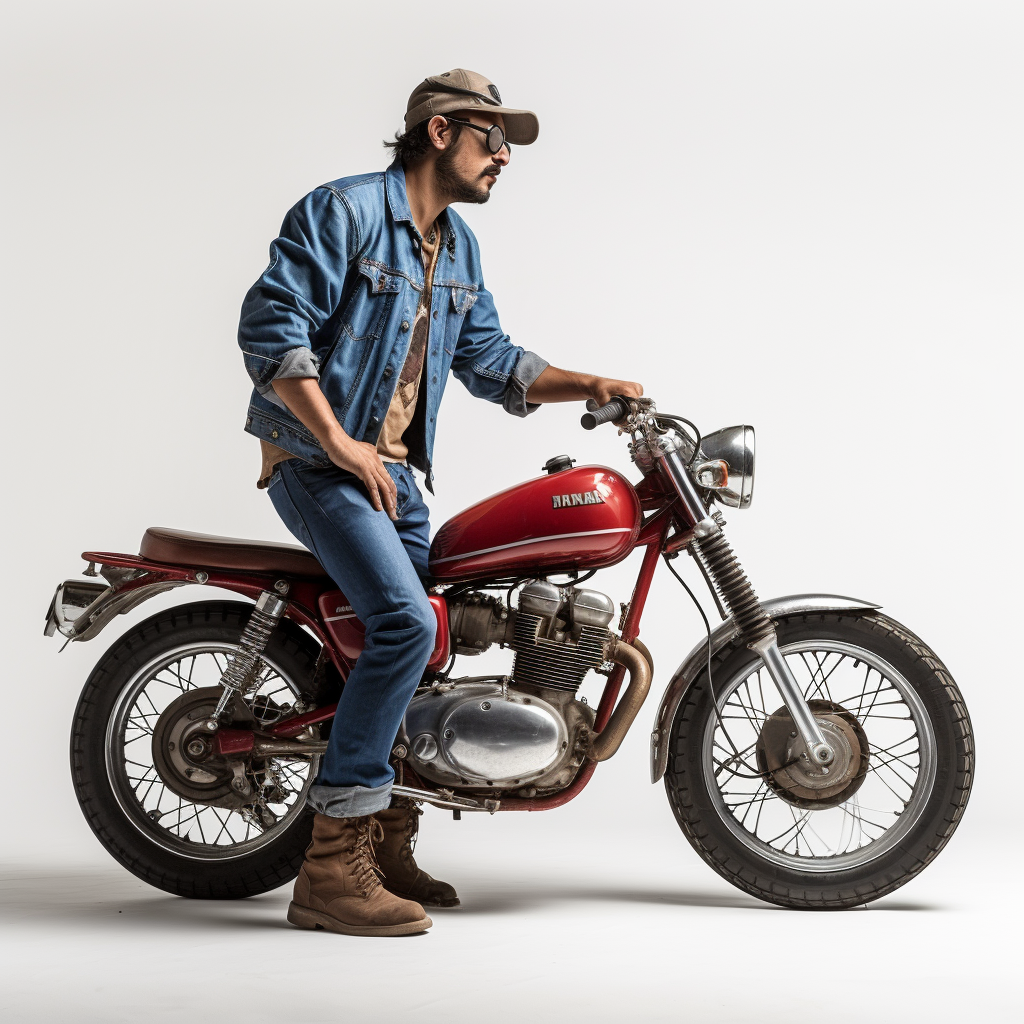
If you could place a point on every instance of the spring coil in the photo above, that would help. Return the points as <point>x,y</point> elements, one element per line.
<point>238,674</point>
<point>726,573</point>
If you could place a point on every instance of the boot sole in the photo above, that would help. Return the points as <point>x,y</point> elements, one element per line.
<point>303,917</point>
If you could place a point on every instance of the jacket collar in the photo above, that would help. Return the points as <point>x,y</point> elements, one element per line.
<point>398,200</point>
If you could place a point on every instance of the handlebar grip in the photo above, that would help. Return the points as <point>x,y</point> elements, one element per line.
<point>613,410</point>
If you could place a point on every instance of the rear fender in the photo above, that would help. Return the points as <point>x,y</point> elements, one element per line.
<point>696,660</point>
<point>74,615</point>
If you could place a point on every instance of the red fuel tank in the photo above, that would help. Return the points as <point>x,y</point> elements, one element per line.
<point>582,518</point>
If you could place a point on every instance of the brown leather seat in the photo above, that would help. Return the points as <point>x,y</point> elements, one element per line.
<point>179,547</point>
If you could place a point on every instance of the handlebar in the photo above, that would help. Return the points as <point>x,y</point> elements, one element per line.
<point>598,414</point>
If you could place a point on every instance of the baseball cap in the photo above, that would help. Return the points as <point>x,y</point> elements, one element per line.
<point>460,89</point>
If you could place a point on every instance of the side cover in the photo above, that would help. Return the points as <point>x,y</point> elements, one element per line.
<point>697,659</point>
<point>349,634</point>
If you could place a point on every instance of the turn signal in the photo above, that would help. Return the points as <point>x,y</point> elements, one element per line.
<point>712,475</point>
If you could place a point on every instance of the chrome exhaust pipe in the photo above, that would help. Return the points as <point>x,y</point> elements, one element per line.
<point>635,658</point>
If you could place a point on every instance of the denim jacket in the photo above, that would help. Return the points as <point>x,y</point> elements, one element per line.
<point>338,301</point>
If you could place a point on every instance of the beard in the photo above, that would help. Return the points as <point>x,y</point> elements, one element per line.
<point>457,188</point>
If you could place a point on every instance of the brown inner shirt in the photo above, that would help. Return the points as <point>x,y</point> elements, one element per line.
<point>390,446</point>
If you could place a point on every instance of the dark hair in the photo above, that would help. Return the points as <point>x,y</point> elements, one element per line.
<point>410,145</point>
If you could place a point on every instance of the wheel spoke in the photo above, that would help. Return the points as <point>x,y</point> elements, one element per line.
<point>780,815</point>
<point>200,826</point>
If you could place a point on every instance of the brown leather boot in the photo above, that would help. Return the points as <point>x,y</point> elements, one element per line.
<point>401,875</point>
<point>338,887</point>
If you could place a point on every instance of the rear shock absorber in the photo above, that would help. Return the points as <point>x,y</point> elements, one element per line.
<point>757,630</point>
<point>241,668</point>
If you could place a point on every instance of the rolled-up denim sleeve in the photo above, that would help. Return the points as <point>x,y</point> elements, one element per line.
<point>298,292</point>
<point>489,364</point>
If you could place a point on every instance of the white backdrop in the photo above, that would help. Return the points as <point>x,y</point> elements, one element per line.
<point>799,215</point>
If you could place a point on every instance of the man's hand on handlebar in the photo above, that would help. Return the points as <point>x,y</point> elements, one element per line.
<point>556,385</point>
<point>604,390</point>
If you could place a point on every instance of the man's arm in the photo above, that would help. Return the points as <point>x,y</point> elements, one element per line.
<point>555,385</point>
<point>306,402</point>
<point>297,293</point>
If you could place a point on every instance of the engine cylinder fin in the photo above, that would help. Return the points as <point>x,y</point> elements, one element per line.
<point>557,664</point>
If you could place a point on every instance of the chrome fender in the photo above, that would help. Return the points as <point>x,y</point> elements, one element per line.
<point>696,660</point>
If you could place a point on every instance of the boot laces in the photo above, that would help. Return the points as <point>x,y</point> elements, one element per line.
<point>366,872</point>
<point>412,827</point>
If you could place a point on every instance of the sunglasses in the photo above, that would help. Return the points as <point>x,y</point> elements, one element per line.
<point>495,136</point>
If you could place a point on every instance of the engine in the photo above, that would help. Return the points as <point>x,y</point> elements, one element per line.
<point>527,730</point>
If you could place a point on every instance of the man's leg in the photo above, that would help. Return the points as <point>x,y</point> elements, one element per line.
<point>400,822</point>
<point>362,550</point>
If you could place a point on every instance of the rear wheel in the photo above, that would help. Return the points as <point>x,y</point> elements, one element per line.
<point>174,821</point>
<point>754,808</point>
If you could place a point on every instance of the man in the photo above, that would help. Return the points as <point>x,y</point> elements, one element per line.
<point>373,294</point>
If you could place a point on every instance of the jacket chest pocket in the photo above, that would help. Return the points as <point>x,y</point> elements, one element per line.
<point>371,304</point>
<point>462,300</point>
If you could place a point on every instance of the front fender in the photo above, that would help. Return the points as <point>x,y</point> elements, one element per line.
<point>696,660</point>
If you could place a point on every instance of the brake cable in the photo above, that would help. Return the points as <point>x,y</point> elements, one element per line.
<point>764,776</point>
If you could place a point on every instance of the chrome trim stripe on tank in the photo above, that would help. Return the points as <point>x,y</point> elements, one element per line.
<point>532,540</point>
<point>695,661</point>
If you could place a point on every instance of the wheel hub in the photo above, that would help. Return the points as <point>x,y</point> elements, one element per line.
<point>782,759</point>
<point>183,751</point>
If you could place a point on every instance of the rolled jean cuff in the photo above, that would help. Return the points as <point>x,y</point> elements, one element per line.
<point>349,801</point>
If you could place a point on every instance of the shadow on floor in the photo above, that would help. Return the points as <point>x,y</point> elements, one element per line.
<point>114,898</point>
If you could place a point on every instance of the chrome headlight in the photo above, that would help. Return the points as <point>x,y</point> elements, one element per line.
<point>725,465</point>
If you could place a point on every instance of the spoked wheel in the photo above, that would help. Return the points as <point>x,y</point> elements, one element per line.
<point>761,815</point>
<point>178,818</point>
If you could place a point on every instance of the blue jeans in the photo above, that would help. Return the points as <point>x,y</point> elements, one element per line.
<point>378,564</point>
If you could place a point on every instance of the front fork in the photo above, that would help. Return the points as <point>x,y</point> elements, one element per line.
<point>727,576</point>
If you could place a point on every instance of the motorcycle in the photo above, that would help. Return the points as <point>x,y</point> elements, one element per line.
<point>815,752</point>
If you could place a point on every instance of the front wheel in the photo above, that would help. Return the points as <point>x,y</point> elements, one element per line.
<point>754,808</point>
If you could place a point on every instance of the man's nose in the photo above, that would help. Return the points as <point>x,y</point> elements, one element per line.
<point>503,155</point>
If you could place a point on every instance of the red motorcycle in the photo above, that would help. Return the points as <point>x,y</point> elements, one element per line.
<point>815,752</point>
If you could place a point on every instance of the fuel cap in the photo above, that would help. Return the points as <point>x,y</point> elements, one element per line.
<point>557,464</point>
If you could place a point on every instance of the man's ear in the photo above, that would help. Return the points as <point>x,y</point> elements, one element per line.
<point>439,132</point>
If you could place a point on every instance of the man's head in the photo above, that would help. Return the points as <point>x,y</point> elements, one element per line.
<point>455,123</point>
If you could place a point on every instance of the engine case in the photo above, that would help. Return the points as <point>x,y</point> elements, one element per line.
<point>478,732</point>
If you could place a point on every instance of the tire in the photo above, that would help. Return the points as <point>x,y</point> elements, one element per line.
<point>168,859</point>
<point>727,831</point>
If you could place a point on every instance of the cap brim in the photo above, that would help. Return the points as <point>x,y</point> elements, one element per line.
<point>521,126</point>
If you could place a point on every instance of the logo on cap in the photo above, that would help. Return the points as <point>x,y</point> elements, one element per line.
<point>493,90</point>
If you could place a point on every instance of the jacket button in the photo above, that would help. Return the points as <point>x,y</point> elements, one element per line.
<point>405,325</point>
<point>387,372</point>
<point>373,421</point>
<point>435,314</point>
<point>434,380</point>
<point>273,434</point>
